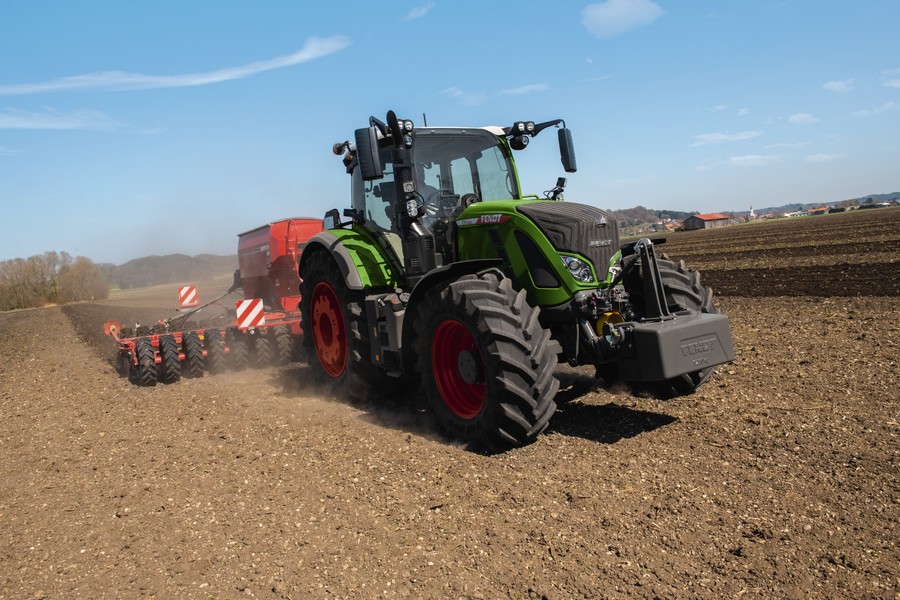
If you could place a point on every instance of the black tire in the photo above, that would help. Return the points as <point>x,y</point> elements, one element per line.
<point>684,292</point>
<point>262,349</point>
<point>146,357</point>
<point>283,345</point>
<point>125,366</point>
<point>193,355</point>
<point>170,367</point>
<point>485,361</point>
<point>215,351</point>
<point>238,350</point>
<point>335,335</point>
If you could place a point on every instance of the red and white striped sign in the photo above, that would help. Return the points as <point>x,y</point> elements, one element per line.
<point>250,313</point>
<point>188,296</point>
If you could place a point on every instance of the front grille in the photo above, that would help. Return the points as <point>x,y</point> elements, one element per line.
<point>577,229</point>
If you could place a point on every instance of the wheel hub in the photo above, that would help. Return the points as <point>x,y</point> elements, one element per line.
<point>469,365</point>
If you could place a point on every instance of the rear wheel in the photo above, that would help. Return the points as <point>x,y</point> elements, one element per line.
<point>485,361</point>
<point>193,354</point>
<point>335,335</point>
<point>146,359</point>
<point>684,292</point>
<point>171,364</point>
<point>215,351</point>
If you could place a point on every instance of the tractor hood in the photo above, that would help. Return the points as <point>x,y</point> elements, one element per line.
<point>576,228</point>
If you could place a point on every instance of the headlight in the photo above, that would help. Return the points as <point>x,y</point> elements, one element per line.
<point>579,269</point>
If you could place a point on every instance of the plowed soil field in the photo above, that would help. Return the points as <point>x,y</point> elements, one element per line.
<point>777,479</point>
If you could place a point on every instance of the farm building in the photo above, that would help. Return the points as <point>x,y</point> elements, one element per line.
<point>707,221</point>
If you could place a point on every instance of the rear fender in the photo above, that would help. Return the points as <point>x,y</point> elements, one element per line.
<point>361,261</point>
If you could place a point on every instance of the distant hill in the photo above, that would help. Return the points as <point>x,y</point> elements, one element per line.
<point>794,207</point>
<point>629,217</point>
<point>172,268</point>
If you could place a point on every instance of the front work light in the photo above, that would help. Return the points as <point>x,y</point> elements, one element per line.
<point>579,269</point>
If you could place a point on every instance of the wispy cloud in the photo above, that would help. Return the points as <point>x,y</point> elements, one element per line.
<point>753,160</point>
<point>53,119</point>
<point>601,78</point>
<point>419,11</point>
<point>821,158</point>
<point>4,151</point>
<point>743,112</point>
<point>474,98</point>
<point>118,81</point>
<point>526,89</point>
<point>886,107</point>
<point>842,86</point>
<point>708,139</point>
<point>467,98</point>
<point>614,17</point>
<point>891,78</point>
<point>787,145</point>
<point>802,119</point>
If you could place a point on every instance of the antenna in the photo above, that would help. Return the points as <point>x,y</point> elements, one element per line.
<point>424,120</point>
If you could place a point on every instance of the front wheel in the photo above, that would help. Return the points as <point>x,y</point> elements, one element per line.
<point>486,363</point>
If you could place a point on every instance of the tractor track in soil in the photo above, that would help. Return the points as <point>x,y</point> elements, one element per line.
<point>776,479</point>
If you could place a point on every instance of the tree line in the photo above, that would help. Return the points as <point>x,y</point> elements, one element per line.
<point>49,278</point>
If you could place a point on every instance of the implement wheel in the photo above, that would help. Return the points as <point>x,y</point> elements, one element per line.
<point>215,351</point>
<point>238,351</point>
<point>334,330</point>
<point>262,349</point>
<point>486,363</point>
<point>193,355</point>
<point>281,337</point>
<point>171,363</point>
<point>146,358</point>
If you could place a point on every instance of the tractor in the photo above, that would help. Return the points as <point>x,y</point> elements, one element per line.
<point>444,277</point>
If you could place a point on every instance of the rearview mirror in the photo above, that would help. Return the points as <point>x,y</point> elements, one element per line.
<point>567,150</point>
<point>367,154</point>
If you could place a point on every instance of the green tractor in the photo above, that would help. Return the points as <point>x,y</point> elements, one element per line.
<point>446,276</point>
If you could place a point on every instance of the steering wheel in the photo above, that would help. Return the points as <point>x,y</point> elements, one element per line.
<point>438,204</point>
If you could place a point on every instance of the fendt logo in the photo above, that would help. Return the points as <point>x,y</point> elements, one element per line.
<point>697,347</point>
<point>484,220</point>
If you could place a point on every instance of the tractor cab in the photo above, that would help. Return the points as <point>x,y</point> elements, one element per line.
<point>411,184</point>
<point>452,167</point>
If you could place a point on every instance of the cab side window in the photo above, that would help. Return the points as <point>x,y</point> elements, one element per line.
<point>379,195</point>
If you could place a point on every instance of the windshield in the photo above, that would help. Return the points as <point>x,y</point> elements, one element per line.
<point>458,162</point>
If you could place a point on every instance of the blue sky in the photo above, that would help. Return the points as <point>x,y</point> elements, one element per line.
<point>136,128</point>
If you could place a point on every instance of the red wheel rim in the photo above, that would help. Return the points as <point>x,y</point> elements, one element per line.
<point>465,398</point>
<point>329,330</point>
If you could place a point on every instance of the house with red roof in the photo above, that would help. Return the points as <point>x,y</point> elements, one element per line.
<point>707,221</point>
